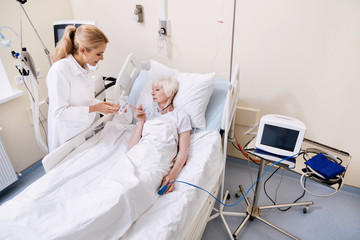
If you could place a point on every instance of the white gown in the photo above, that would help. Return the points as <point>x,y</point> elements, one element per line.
<point>71,92</point>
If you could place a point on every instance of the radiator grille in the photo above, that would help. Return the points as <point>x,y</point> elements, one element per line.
<point>7,172</point>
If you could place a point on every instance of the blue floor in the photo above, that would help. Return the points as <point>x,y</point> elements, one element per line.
<point>335,217</point>
<point>27,177</point>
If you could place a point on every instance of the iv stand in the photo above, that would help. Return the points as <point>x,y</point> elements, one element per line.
<point>47,53</point>
<point>254,211</point>
<point>26,65</point>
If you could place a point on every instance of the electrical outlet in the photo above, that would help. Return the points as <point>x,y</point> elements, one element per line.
<point>163,27</point>
<point>19,80</point>
<point>38,73</point>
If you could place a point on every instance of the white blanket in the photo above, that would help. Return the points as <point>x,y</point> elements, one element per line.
<point>98,191</point>
<point>173,214</point>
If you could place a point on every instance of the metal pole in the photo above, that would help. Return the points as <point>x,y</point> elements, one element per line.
<point>232,39</point>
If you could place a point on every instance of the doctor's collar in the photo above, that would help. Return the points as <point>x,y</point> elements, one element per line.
<point>76,68</point>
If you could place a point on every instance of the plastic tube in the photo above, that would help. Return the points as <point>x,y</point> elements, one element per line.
<point>318,195</point>
<point>35,109</point>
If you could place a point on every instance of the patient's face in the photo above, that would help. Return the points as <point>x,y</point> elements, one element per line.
<point>159,95</point>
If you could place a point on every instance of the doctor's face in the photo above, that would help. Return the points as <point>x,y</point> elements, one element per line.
<point>94,56</point>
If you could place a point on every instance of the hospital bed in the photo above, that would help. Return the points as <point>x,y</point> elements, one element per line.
<point>182,214</point>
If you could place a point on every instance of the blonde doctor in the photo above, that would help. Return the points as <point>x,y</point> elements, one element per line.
<point>72,104</point>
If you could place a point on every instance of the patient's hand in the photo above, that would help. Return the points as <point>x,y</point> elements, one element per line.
<point>140,114</point>
<point>141,117</point>
<point>170,177</point>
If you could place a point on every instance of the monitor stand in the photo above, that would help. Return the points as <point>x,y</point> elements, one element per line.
<point>253,211</point>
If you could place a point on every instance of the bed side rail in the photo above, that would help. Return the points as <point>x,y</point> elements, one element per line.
<point>55,157</point>
<point>231,100</point>
<point>127,75</point>
<point>229,115</point>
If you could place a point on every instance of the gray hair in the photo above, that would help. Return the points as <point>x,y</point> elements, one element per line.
<point>170,85</point>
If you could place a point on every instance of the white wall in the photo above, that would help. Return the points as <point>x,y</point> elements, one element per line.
<point>297,58</point>
<point>195,43</point>
<point>302,58</point>
<point>18,134</point>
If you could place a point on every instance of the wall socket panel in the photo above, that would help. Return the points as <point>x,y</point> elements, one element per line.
<point>38,73</point>
<point>163,25</point>
<point>19,79</point>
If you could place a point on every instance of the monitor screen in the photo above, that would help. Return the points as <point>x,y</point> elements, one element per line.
<point>278,137</point>
<point>59,27</point>
<point>59,31</point>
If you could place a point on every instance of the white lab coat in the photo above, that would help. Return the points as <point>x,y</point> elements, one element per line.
<point>71,92</point>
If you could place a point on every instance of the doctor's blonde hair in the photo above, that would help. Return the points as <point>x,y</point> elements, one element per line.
<point>87,36</point>
<point>170,85</point>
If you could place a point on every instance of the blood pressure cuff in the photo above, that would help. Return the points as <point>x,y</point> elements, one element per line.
<point>324,166</point>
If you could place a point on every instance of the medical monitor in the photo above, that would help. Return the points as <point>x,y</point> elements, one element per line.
<point>280,135</point>
<point>59,27</point>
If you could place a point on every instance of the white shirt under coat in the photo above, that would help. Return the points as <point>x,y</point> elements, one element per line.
<point>71,92</point>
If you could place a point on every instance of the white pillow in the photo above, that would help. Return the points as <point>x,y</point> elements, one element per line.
<point>193,96</point>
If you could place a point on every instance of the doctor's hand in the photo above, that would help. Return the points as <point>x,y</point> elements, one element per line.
<point>104,107</point>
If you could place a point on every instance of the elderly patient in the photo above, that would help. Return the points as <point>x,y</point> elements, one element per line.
<point>163,92</point>
<point>105,185</point>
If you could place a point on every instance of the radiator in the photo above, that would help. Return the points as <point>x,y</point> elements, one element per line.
<point>7,172</point>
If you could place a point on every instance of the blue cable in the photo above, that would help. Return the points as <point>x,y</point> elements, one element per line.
<point>163,188</point>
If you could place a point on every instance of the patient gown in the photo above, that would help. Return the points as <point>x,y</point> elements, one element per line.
<point>98,191</point>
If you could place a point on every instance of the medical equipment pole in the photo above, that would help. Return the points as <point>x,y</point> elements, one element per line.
<point>27,68</point>
<point>232,39</point>
<point>47,53</point>
<point>253,211</point>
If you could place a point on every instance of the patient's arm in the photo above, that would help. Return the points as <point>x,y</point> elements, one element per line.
<point>141,117</point>
<point>184,139</point>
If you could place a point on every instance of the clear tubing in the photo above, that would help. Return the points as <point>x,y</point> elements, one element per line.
<point>35,108</point>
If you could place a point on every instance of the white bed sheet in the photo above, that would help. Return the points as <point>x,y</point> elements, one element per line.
<point>172,214</point>
<point>83,169</point>
<point>73,191</point>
